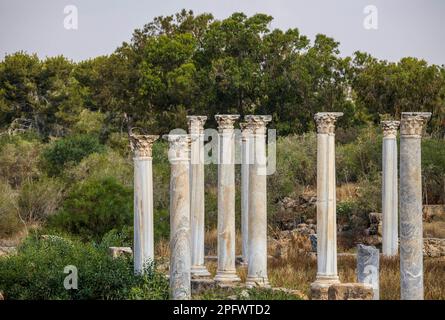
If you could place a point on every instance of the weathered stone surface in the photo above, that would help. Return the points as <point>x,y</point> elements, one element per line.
<point>245,165</point>
<point>141,145</point>
<point>197,207</point>
<point>4,251</point>
<point>120,251</point>
<point>1,296</point>
<point>350,291</point>
<point>226,271</point>
<point>368,267</point>
<point>313,239</point>
<point>326,198</point>
<point>257,229</point>
<point>411,227</point>
<point>200,285</point>
<point>390,221</point>
<point>180,248</point>
<point>433,247</point>
<point>319,291</point>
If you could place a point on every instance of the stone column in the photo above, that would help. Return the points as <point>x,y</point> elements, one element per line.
<point>326,201</point>
<point>226,271</point>
<point>141,146</point>
<point>180,257</point>
<point>368,267</point>
<point>390,243</point>
<point>245,162</point>
<point>197,207</point>
<point>257,267</point>
<point>411,229</point>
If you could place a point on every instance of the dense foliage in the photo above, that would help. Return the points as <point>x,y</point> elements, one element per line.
<point>195,64</point>
<point>37,272</point>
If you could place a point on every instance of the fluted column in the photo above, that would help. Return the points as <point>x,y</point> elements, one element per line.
<point>411,228</point>
<point>143,251</point>
<point>245,162</point>
<point>226,271</point>
<point>180,255</point>
<point>326,200</point>
<point>197,206</point>
<point>257,238</point>
<point>390,243</point>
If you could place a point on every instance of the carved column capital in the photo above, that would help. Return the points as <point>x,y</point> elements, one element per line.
<point>179,146</point>
<point>141,145</point>
<point>226,121</point>
<point>412,123</point>
<point>245,131</point>
<point>257,123</point>
<point>390,128</point>
<point>196,124</point>
<point>326,121</point>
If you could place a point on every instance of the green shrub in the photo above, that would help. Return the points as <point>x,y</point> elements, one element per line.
<point>94,207</point>
<point>39,199</point>
<point>69,151</point>
<point>9,218</point>
<point>433,170</point>
<point>37,272</point>
<point>101,165</point>
<point>19,160</point>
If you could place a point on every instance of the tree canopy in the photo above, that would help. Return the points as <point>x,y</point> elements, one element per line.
<point>195,64</point>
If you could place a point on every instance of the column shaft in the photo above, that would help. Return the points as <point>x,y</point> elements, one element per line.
<point>411,227</point>
<point>245,161</point>
<point>226,271</point>
<point>389,189</point>
<point>180,248</point>
<point>143,201</point>
<point>197,205</point>
<point>326,200</point>
<point>257,230</point>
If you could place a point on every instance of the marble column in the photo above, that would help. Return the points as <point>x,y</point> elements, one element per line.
<point>368,267</point>
<point>257,238</point>
<point>226,271</point>
<point>390,203</point>
<point>245,162</point>
<point>326,201</point>
<point>180,248</point>
<point>197,207</point>
<point>411,228</point>
<point>143,251</point>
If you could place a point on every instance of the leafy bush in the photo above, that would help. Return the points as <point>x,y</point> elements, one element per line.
<point>39,199</point>
<point>37,272</point>
<point>69,151</point>
<point>94,207</point>
<point>101,165</point>
<point>19,160</point>
<point>433,170</point>
<point>9,219</point>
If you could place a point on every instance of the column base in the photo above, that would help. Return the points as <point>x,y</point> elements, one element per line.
<point>200,272</point>
<point>319,288</point>
<point>257,282</point>
<point>227,277</point>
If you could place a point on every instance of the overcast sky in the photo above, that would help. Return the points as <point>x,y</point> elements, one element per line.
<point>405,27</point>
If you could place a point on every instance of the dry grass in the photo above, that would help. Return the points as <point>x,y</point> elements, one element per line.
<point>434,229</point>
<point>298,270</point>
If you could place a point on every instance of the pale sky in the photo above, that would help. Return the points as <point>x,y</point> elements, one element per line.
<point>405,27</point>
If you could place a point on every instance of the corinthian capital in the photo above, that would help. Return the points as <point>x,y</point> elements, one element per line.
<point>141,145</point>
<point>179,145</point>
<point>326,121</point>
<point>196,124</point>
<point>390,128</point>
<point>412,123</point>
<point>226,121</point>
<point>257,123</point>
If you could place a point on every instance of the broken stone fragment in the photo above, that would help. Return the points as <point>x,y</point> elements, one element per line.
<point>120,251</point>
<point>350,291</point>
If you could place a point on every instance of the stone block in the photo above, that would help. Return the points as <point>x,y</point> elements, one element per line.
<point>350,291</point>
<point>119,251</point>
